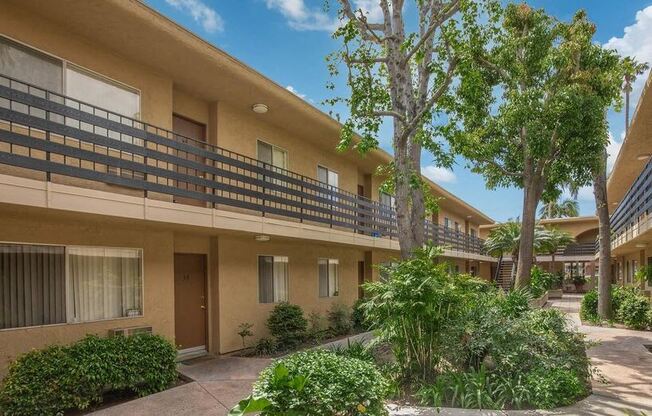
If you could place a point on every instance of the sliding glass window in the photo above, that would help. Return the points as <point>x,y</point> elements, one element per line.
<point>272,279</point>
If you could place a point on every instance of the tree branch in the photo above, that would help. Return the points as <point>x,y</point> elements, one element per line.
<point>453,8</point>
<point>367,30</point>
<point>501,168</point>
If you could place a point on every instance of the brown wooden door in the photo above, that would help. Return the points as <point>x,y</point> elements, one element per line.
<point>197,131</point>
<point>190,300</point>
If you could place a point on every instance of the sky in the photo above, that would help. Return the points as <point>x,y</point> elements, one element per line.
<point>288,40</point>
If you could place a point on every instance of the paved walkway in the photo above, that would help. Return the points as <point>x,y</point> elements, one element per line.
<point>620,355</point>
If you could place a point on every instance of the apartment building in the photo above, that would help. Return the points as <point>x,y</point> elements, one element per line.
<point>148,179</point>
<point>630,202</point>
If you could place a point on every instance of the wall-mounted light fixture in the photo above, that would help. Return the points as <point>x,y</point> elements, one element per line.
<point>259,108</point>
<point>262,238</point>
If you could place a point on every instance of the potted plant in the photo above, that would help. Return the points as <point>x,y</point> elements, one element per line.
<point>579,281</point>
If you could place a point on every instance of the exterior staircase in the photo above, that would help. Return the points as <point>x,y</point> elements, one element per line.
<point>503,276</point>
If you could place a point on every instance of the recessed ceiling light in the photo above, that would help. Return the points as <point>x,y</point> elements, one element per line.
<point>259,108</point>
<point>643,156</point>
<point>641,245</point>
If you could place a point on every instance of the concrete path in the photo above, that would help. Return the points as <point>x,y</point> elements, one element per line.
<point>620,355</point>
<point>219,384</point>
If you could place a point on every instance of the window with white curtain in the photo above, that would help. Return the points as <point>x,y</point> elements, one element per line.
<point>329,282</point>
<point>103,283</point>
<point>44,285</point>
<point>272,279</point>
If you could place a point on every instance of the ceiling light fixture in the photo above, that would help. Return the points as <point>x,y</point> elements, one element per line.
<point>641,245</point>
<point>259,108</point>
<point>262,238</point>
<point>643,156</point>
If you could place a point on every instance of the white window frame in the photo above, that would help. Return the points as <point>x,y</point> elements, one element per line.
<point>331,293</point>
<point>67,289</point>
<point>273,146</point>
<point>287,279</point>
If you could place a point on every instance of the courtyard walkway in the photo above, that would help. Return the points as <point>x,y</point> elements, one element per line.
<point>620,354</point>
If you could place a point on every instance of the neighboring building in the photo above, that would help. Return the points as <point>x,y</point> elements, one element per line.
<point>150,179</point>
<point>630,199</point>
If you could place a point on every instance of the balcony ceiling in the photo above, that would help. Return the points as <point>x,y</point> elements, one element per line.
<point>139,33</point>
<point>638,142</point>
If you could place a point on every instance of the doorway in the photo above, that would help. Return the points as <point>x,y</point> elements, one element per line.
<point>190,320</point>
<point>186,128</point>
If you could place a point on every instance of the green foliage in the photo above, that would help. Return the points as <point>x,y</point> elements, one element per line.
<point>355,350</point>
<point>554,387</point>
<point>589,306</point>
<point>358,319</point>
<point>58,378</point>
<point>633,311</point>
<point>629,305</point>
<point>540,281</point>
<point>579,280</point>
<point>318,383</point>
<point>287,325</point>
<point>266,346</point>
<point>318,328</point>
<point>557,209</point>
<point>244,330</point>
<point>515,303</point>
<point>644,274</point>
<point>339,319</point>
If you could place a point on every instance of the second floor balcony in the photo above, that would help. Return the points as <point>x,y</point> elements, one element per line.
<point>52,134</point>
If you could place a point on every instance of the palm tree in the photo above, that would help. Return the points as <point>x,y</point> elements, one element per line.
<point>505,239</point>
<point>631,70</point>
<point>559,209</point>
<point>556,240</point>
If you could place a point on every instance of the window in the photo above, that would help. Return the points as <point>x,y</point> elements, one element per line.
<point>43,285</point>
<point>474,233</point>
<point>387,200</point>
<point>447,222</point>
<point>103,283</point>
<point>272,155</point>
<point>30,66</point>
<point>327,176</point>
<point>102,92</point>
<point>272,279</point>
<point>329,283</point>
<point>457,227</point>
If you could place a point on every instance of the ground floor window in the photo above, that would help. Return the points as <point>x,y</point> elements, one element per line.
<point>44,285</point>
<point>329,283</point>
<point>272,279</point>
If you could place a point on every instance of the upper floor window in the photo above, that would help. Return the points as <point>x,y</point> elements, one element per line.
<point>99,91</point>
<point>457,227</point>
<point>387,200</point>
<point>327,176</point>
<point>54,284</point>
<point>30,66</point>
<point>272,155</point>
<point>272,279</point>
<point>447,222</point>
<point>329,284</point>
<point>474,233</point>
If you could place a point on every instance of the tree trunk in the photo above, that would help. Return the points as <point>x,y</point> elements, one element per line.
<point>531,196</point>
<point>604,233</point>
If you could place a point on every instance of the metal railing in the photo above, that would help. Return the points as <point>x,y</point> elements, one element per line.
<point>577,249</point>
<point>631,217</point>
<point>48,132</point>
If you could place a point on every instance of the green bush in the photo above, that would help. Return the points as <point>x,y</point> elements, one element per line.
<point>589,306</point>
<point>633,311</point>
<point>549,388</point>
<point>355,350</point>
<point>287,325</point>
<point>265,346</point>
<point>540,281</point>
<point>58,378</point>
<point>339,319</point>
<point>357,316</point>
<point>317,383</point>
<point>515,303</point>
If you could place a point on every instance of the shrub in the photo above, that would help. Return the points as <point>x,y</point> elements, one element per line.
<point>244,330</point>
<point>515,303</point>
<point>357,316</point>
<point>58,378</point>
<point>287,325</point>
<point>265,346</point>
<point>633,311</point>
<point>355,350</point>
<point>339,319</point>
<point>317,326</point>
<point>540,281</point>
<point>554,387</point>
<point>320,383</point>
<point>589,306</point>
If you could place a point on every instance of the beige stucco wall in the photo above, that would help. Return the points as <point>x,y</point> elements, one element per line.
<point>158,280</point>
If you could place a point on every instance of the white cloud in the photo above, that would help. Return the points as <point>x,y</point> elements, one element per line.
<point>295,92</point>
<point>613,148</point>
<point>438,174</point>
<point>208,18</point>
<point>585,193</point>
<point>637,43</point>
<point>303,17</point>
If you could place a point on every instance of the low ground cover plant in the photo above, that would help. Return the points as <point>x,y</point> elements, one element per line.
<point>628,304</point>
<point>59,378</point>
<point>317,383</point>
<point>460,342</point>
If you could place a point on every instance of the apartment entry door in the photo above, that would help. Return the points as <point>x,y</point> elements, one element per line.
<point>189,129</point>
<point>190,320</point>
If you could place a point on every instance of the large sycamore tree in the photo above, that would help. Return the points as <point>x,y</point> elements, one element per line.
<point>531,108</point>
<point>399,68</point>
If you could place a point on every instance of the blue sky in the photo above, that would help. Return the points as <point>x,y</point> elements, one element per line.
<point>288,40</point>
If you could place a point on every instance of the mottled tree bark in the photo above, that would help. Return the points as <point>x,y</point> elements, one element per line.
<point>604,234</point>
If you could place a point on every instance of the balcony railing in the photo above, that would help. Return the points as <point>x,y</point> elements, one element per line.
<point>54,134</point>
<point>631,217</point>
<point>577,249</point>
